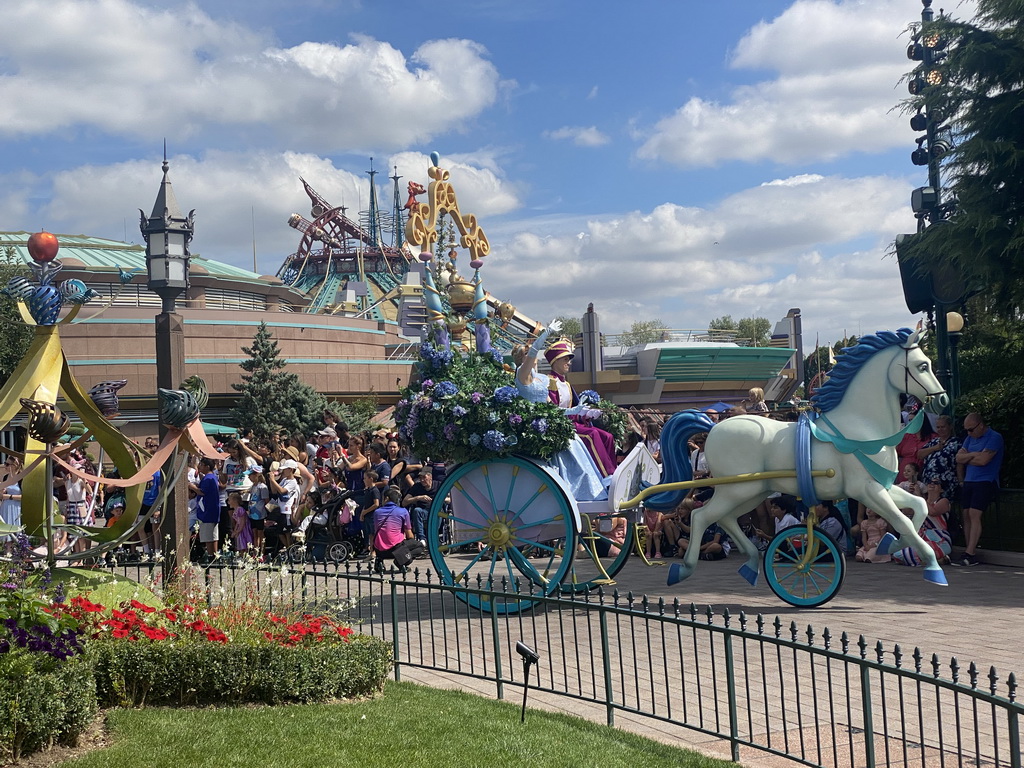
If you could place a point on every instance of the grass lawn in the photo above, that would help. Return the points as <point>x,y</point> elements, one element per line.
<point>409,726</point>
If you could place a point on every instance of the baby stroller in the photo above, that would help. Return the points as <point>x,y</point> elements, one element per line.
<point>324,535</point>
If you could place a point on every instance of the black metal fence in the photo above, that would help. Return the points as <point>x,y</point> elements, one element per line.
<point>816,698</point>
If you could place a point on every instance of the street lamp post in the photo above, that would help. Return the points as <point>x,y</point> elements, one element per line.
<point>955,328</point>
<point>168,234</point>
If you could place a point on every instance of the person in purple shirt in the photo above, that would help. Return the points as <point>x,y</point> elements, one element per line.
<point>980,459</point>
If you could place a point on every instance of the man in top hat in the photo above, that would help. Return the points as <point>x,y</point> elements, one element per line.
<point>600,443</point>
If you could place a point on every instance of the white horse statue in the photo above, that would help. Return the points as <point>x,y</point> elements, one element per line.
<point>854,433</point>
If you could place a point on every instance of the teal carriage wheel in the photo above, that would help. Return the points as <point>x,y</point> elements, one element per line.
<point>507,518</point>
<point>589,572</point>
<point>805,573</point>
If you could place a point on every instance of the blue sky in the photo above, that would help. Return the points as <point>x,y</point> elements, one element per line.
<point>672,160</point>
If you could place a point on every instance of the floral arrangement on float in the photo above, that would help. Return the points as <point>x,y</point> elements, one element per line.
<point>463,403</point>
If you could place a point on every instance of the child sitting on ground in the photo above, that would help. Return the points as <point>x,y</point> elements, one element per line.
<point>872,529</point>
<point>934,530</point>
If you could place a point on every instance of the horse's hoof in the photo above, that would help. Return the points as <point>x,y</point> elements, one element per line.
<point>935,576</point>
<point>675,574</point>
<point>748,573</point>
<point>885,545</point>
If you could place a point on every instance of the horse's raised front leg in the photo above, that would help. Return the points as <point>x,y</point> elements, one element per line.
<point>887,504</point>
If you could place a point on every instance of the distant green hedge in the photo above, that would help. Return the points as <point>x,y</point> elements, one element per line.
<point>43,701</point>
<point>180,674</point>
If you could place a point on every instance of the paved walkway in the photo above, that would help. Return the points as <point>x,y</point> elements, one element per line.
<point>979,617</point>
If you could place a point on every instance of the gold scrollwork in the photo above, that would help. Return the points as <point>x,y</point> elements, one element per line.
<point>421,229</point>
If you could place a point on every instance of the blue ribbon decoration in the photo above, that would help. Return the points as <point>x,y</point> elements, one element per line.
<point>861,448</point>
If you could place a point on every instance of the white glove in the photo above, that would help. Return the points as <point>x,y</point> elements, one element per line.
<point>555,326</point>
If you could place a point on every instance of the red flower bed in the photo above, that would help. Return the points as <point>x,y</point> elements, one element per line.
<point>134,621</point>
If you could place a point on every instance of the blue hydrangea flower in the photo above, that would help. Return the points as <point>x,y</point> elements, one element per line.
<point>450,430</point>
<point>445,389</point>
<point>494,440</point>
<point>474,440</point>
<point>493,417</point>
<point>590,396</point>
<point>458,410</point>
<point>505,395</point>
<point>540,425</point>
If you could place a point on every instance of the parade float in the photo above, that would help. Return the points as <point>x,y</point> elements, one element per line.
<point>508,511</point>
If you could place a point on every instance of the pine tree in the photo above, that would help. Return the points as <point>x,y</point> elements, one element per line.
<point>272,400</point>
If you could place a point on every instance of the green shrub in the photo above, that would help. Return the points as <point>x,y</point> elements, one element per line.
<point>1001,404</point>
<point>43,701</point>
<point>133,674</point>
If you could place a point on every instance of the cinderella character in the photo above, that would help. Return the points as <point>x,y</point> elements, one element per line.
<point>575,464</point>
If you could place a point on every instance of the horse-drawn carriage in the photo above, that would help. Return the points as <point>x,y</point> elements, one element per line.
<point>515,517</point>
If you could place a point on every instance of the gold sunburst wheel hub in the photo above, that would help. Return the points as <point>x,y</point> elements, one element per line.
<point>498,534</point>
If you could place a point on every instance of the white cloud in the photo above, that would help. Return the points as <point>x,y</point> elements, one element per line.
<point>129,70</point>
<point>838,65</point>
<point>228,190</point>
<point>476,177</point>
<point>581,136</point>
<point>817,243</point>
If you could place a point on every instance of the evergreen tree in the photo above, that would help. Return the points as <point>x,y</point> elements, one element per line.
<point>981,96</point>
<point>271,399</point>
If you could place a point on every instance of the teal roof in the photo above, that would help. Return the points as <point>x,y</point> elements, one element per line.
<point>98,254</point>
<point>726,363</point>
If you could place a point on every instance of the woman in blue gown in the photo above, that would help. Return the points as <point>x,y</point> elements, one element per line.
<point>575,464</point>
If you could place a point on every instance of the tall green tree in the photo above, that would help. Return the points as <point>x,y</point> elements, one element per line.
<point>15,337</point>
<point>642,332</point>
<point>981,98</point>
<point>571,326</point>
<point>755,330</point>
<point>271,399</point>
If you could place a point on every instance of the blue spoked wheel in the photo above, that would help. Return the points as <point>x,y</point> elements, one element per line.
<point>801,572</point>
<point>508,518</point>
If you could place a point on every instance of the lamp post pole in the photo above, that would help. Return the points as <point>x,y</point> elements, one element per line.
<point>168,234</point>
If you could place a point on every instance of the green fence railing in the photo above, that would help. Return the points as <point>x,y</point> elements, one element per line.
<point>766,685</point>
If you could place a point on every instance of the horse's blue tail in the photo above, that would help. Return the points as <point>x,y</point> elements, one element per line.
<point>675,456</point>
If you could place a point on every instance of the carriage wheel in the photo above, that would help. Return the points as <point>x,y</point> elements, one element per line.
<point>508,518</point>
<point>588,573</point>
<point>804,581</point>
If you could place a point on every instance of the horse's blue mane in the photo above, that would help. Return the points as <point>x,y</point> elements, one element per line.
<point>830,394</point>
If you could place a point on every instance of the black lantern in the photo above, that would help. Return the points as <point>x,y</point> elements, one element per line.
<point>168,234</point>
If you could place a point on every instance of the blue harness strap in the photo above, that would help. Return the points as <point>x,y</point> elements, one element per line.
<point>861,448</point>
<point>804,481</point>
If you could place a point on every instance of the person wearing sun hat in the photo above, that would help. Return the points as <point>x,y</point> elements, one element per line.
<point>600,443</point>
